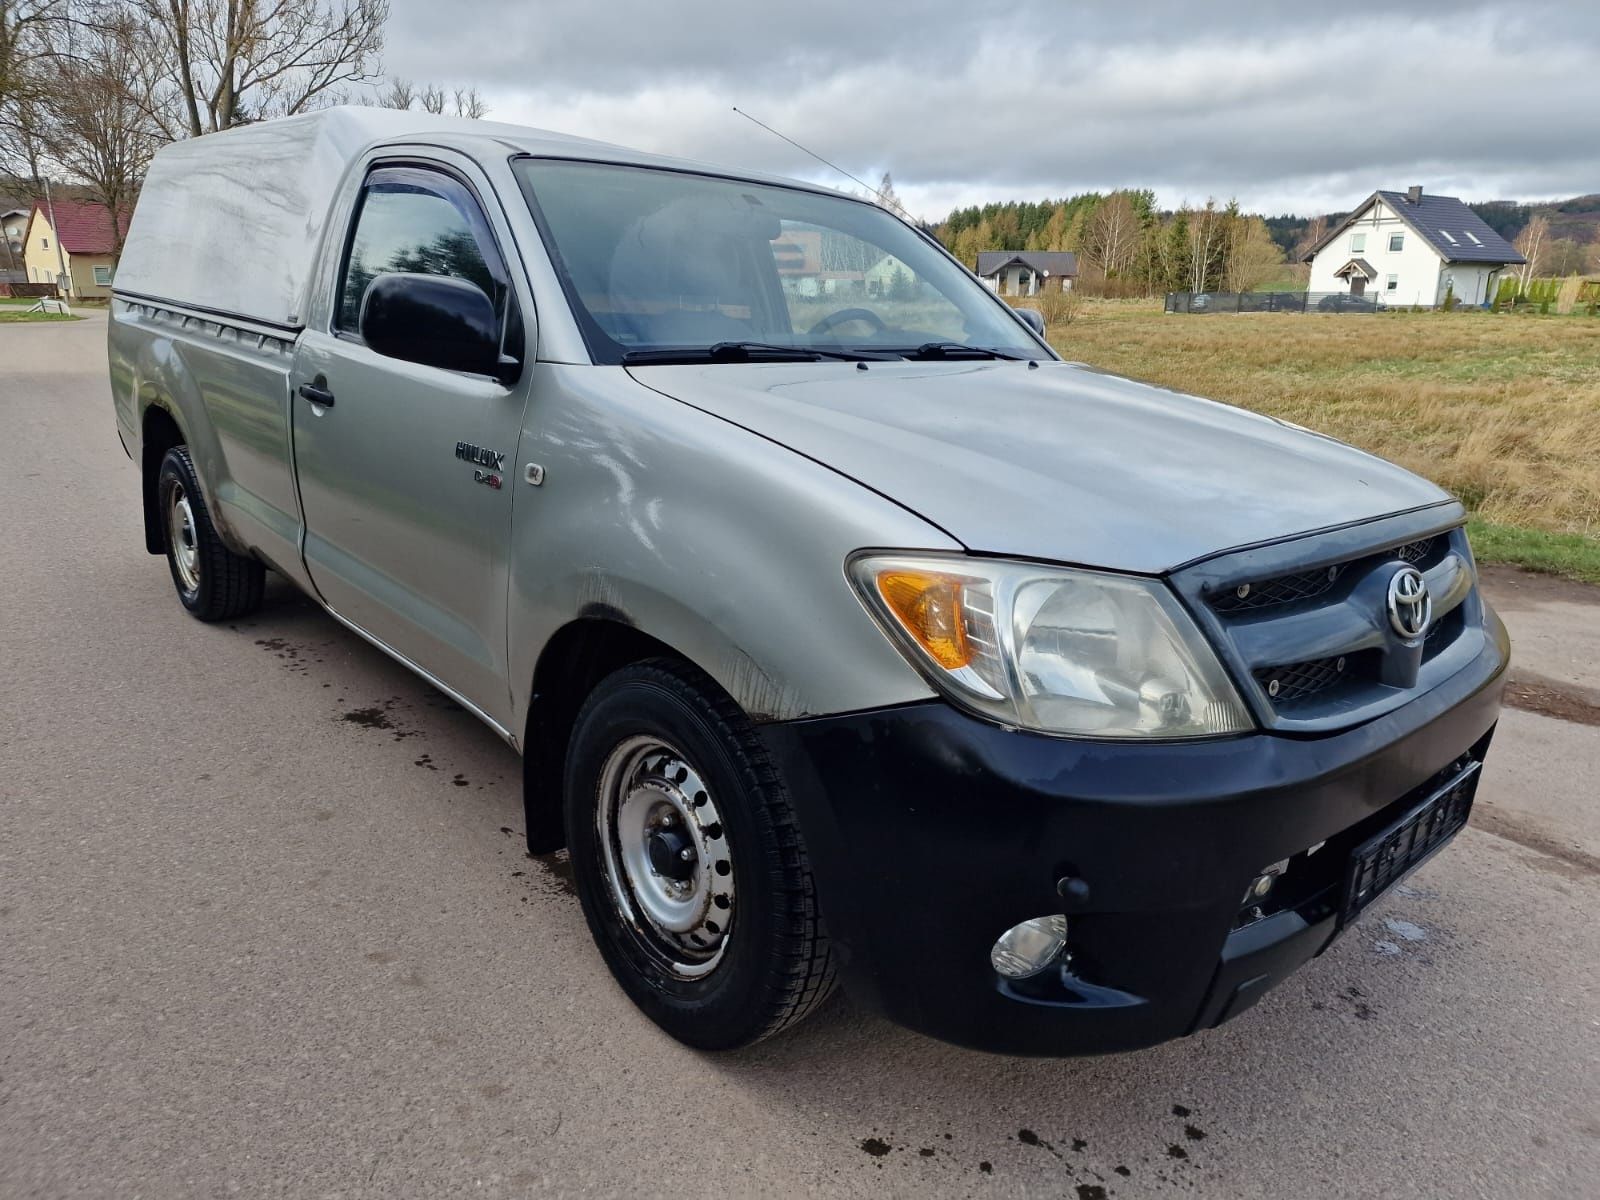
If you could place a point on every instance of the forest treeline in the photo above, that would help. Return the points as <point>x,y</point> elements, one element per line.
<point>1126,246</point>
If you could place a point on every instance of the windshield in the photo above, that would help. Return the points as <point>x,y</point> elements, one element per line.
<point>656,261</point>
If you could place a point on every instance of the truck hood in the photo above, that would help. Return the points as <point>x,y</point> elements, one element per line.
<point>1058,462</point>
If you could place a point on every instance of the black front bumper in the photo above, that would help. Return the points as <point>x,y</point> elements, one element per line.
<point>931,832</point>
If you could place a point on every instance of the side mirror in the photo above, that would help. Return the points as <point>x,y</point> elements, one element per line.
<point>436,320</point>
<point>1032,318</point>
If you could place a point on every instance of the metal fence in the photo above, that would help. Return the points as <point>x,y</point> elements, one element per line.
<point>1293,302</point>
<point>24,290</point>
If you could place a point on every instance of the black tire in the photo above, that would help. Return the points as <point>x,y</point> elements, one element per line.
<point>213,582</point>
<point>774,966</point>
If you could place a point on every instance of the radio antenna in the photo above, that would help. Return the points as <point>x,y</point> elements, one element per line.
<point>815,155</point>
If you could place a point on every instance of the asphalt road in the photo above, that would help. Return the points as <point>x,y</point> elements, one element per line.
<point>267,927</point>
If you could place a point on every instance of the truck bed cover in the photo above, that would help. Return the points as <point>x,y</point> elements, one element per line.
<point>242,212</point>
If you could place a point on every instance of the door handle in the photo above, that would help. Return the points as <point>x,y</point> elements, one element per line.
<point>317,394</point>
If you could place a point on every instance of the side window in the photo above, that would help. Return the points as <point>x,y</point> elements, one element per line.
<point>1397,241</point>
<point>1358,243</point>
<point>416,220</point>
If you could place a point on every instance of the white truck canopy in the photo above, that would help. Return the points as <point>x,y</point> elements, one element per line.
<point>231,222</point>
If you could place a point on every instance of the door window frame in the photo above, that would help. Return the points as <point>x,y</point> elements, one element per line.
<point>512,336</point>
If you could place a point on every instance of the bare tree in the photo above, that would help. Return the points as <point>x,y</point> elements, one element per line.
<point>22,149</point>
<point>96,124</point>
<point>1253,258</point>
<point>25,27</point>
<point>1316,229</point>
<point>233,61</point>
<point>890,199</point>
<point>1111,234</point>
<point>459,102</point>
<point>1564,256</point>
<point>469,104</point>
<point>1209,228</point>
<point>1531,244</point>
<point>399,94</point>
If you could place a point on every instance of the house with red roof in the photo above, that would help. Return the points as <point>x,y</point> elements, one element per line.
<point>77,251</point>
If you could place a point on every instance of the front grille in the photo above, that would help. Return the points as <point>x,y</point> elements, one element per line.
<point>1285,589</point>
<point>1305,623</point>
<point>1307,585</point>
<point>1296,681</point>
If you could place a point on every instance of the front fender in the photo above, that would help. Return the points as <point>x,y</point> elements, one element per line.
<point>709,538</point>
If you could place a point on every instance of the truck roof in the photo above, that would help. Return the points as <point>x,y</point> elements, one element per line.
<point>231,222</point>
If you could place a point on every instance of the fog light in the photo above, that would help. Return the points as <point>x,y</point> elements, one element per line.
<point>1029,948</point>
<point>1262,883</point>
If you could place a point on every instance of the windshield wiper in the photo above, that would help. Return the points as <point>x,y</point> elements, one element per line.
<point>740,352</point>
<point>958,350</point>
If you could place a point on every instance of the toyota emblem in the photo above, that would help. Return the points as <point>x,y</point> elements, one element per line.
<point>1410,606</point>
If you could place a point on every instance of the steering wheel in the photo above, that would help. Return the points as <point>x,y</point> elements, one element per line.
<point>846,315</point>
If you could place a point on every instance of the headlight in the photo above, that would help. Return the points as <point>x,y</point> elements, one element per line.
<point>1053,649</point>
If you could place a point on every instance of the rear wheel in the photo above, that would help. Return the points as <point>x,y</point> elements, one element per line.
<point>690,867</point>
<point>213,582</point>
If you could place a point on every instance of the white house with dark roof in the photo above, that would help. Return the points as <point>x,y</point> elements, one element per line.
<point>1404,248</point>
<point>1027,272</point>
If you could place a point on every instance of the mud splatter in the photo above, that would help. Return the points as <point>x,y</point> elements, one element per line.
<point>558,868</point>
<point>876,1147</point>
<point>1179,1110</point>
<point>1176,1151</point>
<point>986,1167</point>
<point>926,1152</point>
<point>1091,1191</point>
<point>1029,1138</point>
<point>1194,1133</point>
<point>372,717</point>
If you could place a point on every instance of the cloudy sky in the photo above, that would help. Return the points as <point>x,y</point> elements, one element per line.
<point>1291,107</point>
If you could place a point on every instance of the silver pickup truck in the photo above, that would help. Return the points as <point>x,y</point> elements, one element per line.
<point>844,630</point>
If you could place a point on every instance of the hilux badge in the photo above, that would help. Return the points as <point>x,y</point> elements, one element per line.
<point>1410,606</point>
<point>492,459</point>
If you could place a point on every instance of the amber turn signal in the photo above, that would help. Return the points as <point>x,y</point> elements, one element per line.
<point>928,605</point>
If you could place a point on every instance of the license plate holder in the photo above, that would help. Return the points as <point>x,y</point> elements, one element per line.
<point>1392,853</point>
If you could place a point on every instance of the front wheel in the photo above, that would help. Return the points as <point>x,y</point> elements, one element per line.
<point>213,582</point>
<point>690,867</point>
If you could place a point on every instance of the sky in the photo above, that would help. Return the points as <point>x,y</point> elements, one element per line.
<point>1286,106</point>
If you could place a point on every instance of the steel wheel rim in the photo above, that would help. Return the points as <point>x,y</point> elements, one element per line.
<point>653,800</point>
<point>182,538</point>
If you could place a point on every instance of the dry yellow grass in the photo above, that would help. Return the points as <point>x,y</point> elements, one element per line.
<point>1502,410</point>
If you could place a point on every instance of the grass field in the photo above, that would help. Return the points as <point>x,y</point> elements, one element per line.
<point>1504,411</point>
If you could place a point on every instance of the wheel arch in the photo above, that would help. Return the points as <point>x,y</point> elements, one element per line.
<point>159,431</point>
<point>573,662</point>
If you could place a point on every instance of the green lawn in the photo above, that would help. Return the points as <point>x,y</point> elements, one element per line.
<point>12,315</point>
<point>1567,554</point>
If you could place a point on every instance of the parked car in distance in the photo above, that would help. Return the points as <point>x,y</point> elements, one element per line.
<point>844,632</point>
<point>1340,303</point>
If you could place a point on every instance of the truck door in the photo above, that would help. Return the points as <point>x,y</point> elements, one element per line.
<point>406,470</point>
